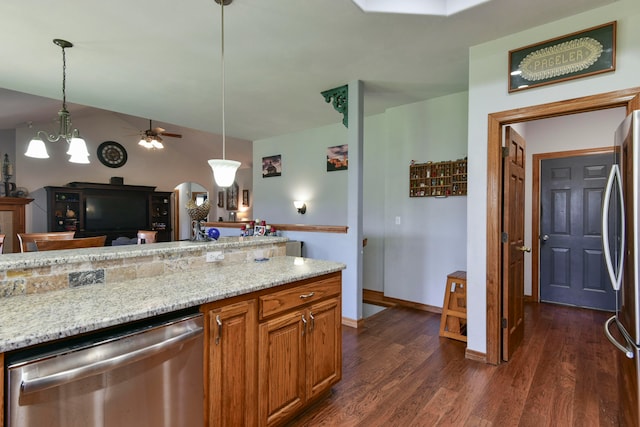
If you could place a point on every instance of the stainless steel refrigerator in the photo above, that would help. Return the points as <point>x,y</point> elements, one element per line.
<point>620,244</point>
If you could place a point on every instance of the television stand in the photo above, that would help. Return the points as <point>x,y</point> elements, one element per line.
<point>93,209</point>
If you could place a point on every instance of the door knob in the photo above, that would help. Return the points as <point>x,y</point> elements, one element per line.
<point>545,237</point>
<point>523,249</point>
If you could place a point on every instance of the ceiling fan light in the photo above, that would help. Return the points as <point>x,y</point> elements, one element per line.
<point>36,149</point>
<point>224,171</point>
<point>156,144</point>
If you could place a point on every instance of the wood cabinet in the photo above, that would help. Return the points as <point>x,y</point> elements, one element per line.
<point>161,215</point>
<point>438,179</point>
<point>65,209</point>
<point>299,348</point>
<point>92,209</point>
<point>230,367</point>
<point>270,354</point>
<point>12,221</point>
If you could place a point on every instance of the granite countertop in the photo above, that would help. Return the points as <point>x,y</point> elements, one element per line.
<point>39,259</point>
<point>34,319</point>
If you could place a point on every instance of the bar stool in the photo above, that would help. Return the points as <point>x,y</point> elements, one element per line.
<point>146,236</point>
<point>28,240</point>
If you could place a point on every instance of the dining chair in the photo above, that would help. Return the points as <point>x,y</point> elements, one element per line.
<point>1,242</point>
<point>81,242</point>
<point>27,240</point>
<point>146,236</point>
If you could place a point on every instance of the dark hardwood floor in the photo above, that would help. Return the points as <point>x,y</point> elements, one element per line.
<point>397,371</point>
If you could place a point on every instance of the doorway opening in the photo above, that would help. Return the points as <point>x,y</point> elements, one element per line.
<point>629,99</point>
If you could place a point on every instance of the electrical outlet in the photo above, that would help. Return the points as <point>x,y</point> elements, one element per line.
<point>214,256</point>
<point>397,220</point>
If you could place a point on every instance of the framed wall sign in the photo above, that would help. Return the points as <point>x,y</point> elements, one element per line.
<point>272,166</point>
<point>232,197</point>
<point>338,158</point>
<point>584,53</point>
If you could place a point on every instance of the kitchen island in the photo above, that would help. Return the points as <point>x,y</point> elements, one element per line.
<point>52,296</point>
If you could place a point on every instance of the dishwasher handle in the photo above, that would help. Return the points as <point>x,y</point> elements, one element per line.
<point>33,385</point>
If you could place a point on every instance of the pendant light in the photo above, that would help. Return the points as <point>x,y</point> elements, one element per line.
<point>224,171</point>
<point>77,147</point>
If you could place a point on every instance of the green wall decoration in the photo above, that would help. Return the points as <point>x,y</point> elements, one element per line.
<point>340,97</point>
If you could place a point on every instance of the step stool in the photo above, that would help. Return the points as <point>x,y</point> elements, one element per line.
<point>453,323</point>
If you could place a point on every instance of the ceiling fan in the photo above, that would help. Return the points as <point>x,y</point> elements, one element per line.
<point>150,138</point>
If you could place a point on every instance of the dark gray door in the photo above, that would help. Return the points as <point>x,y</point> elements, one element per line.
<point>572,269</point>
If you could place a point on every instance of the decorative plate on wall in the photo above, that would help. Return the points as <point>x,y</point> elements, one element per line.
<point>112,154</point>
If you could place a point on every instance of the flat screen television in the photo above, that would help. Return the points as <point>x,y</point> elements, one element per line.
<point>116,211</point>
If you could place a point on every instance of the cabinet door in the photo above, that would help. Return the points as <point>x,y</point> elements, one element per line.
<point>324,346</point>
<point>232,365</point>
<point>281,381</point>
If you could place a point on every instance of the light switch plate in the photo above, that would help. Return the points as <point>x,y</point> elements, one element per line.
<point>214,256</point>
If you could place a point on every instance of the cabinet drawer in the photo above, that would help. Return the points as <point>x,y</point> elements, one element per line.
<point>280,301</point>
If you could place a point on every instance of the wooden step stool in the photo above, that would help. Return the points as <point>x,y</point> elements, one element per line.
<point>453,323</point>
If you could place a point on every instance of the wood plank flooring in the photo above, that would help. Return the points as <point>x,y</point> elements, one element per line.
<point>397,371</point>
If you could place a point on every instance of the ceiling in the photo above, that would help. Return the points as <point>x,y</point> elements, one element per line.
<point>160,59</point>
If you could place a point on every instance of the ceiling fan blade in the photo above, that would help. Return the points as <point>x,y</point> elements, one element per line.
<point>158,130</point>
<point>173,135</point>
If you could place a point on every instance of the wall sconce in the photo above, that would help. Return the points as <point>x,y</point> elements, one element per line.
<point>301,206</point>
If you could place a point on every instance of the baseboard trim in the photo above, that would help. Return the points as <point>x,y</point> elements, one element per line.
<point>475,355</point>
<point>378,298</point>
<point>352,323</point>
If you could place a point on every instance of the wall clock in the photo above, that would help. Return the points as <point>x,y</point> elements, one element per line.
<point>112,154</point>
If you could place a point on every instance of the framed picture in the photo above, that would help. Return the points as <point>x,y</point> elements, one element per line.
<point>584,53</point>
<point>272,166</point>
<point>232,197</point>
<point>221,199</point>
<point>245,197</point>
<point>338,158</point>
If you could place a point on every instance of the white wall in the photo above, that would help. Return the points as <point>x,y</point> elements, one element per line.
<point>429,243</point>
<point>304,177</point>
<point>488,94</point>
<point>408,261</point>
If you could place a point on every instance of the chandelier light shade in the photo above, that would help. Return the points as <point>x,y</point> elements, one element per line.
<point>36,149</point>
<point>77,146</point>
<point>224,171</point>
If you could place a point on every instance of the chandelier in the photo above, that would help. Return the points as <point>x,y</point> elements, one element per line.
<point>224,171</point>
<point>77,147</point>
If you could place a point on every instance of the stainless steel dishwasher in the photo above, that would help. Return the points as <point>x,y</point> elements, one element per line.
<point>145,375</point>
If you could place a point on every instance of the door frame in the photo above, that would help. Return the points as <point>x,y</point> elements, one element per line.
<point>628,98</point>
<point>535,208</point>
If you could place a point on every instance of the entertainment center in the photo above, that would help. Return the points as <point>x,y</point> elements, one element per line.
<point>92,209</point>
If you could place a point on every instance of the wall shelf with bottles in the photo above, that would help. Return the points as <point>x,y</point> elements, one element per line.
<point>438,179</point>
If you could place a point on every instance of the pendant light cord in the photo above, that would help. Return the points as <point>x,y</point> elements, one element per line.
<point>222,66</point>
<point>64,79</point>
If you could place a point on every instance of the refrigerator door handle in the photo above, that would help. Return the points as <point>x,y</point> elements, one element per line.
<point>626,350</point>
<point>614,276</point>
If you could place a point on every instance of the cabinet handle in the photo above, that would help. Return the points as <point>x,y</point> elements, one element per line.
<point>304,325</point>
<point>219,322</point>
<point>309,295</point>
<point>313,322</point>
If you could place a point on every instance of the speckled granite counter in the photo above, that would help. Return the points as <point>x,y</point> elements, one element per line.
<point>40,317</point>
<point>38,272</point>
